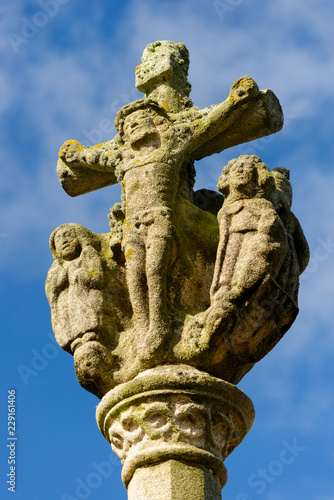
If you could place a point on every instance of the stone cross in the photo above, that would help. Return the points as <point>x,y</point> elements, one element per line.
<point>246,115</point>
<point>169,310</point>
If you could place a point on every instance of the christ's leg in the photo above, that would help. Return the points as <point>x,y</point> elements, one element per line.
<point>157,258</point>
<point>159,245</point>
<point>135,257</point>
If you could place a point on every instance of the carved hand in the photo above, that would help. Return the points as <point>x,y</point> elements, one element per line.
<point>71,151</point>
<point>243,90</point>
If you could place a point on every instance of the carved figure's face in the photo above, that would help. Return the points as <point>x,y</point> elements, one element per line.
<point>139,127</point>
<point>67,244</point>
<point>243,174</point>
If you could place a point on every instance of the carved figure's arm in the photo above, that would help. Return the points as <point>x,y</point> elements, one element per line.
<point>216,119</point>
<point>224,222</point>
<point>56,281</point>
<point>247,114</point>
<point>82,169</point>
<point>90,272</point>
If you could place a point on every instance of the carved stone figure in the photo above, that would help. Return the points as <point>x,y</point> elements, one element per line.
<point>188,295</point>
<point>75,278</point>
<point>85,295</point>
<point>188,290</point>
<point>261,253</point>
<point>253,240</point>
<point>148,162</point>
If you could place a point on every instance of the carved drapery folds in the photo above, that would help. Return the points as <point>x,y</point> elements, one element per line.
<point>261,253</point>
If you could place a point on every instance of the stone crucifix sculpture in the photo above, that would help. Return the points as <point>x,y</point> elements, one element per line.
<point>174,305</point>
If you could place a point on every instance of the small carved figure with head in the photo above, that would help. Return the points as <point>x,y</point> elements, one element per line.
<point>75,288</point>
<point>246,177</point>
<point>253,240</point>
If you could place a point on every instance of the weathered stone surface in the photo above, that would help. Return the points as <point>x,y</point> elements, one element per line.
<point>164,247</point>
<point>184,281</point>
<point>208,200</point>
<point>149,165</point>
<point>174,412</point>
<point>89,302</point>
<point>261,253</point>
<point>253,300</point>
<point>163,75</point>
<point>174,480</point>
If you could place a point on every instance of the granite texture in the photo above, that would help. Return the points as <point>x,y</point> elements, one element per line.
<point>172,307</point>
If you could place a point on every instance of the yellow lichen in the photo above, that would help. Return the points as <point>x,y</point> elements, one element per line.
<point>165,105</point>
<point>246,81</point>
<point>72,141</point>
<point>126,225</point>
<point>129,253</point>
<point>77,143</point>
<point>68,144</point>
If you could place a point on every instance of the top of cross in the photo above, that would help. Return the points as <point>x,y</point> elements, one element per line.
<point>162,76</point>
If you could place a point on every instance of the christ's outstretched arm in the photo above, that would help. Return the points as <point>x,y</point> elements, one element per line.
<point>82,169</point>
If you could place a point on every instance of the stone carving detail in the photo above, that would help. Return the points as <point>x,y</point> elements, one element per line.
<point>189,289</point>
<point>261,253</point>
<point>176,418</point>
<point>253,240</point>
<point>89,302</point>
<point>202,423</point>
<point>174,282</point>
<point>297,255</point>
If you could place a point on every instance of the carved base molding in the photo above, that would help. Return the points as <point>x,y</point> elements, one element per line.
<point>178,413</point>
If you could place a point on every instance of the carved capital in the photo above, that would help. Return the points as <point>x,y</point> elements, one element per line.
<point>174,412</point>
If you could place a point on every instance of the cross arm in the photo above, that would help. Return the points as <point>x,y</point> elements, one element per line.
<point>82,169</point>
<point>250,118</point>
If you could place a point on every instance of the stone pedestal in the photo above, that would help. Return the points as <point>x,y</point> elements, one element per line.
<point>174,480</point>
<point>173,426</point>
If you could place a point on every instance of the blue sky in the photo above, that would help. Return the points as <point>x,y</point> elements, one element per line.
<point>67,67</point>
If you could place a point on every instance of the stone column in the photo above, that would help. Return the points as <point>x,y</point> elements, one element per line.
<point>173,426</point>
